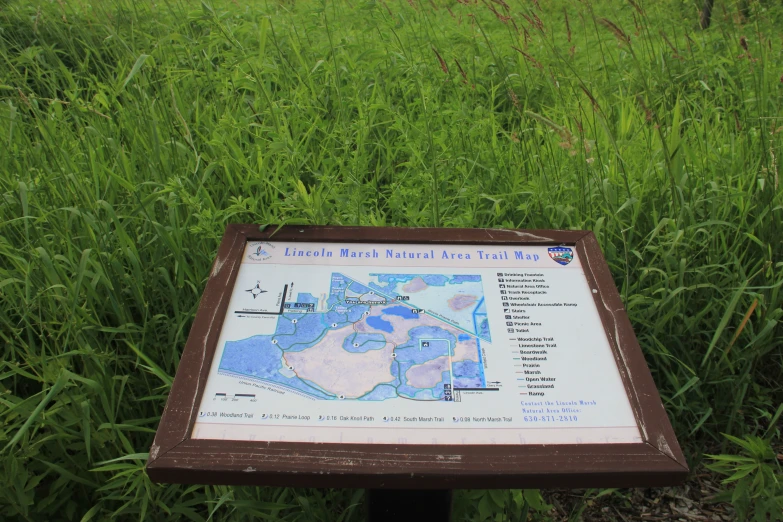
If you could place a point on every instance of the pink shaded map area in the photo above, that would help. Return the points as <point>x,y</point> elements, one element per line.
<point>417,284</point>
<point>341,372</point>
<point>464,350</point>
<point>461,301</point>
<point>428,374</point>
<point>352,375</point>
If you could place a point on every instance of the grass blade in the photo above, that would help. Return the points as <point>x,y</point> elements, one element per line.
<point>59,384</point>
<point>134,71</point>
<point>724,321</point>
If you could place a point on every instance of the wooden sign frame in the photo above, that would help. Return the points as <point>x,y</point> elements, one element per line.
<point>175,457</point>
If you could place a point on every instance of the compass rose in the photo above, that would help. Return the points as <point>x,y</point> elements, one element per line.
<point>256,290</point>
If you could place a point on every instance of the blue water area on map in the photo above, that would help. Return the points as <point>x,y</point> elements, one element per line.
<point>406,390</point>
<point>356,312</point>
<point>400,368</point>
<point>335,317</point>
<point>467,374</point>
<point>445,377</point>
<point>344,313</point>
<point>457,279</point>
<point>427,395</point>
<point>434,279</point>
<point>338,282</point>
<point>258,358</point>
<point>380,393</point>
<point>463,337</point>
<point>254,356</point>
<point>465,369</point>
<point>468,382</point>
<point>285,326</point>
<point>418,393</point>
<point>380,324</point>
<point>385,290</point>
<point>296,337</point>
<point>409,391</point>
<point>365,341</point>
<point>416,352</point>
<point>337,290</point>
<point>394,278</point>
<point>395,370</point>
<point>389,282</point>
<point>401,311</point>
<point>436,392</point>
<point>306,298</point>
<point>438,346</point>
<point>358,288</point>
<point>483,326</point>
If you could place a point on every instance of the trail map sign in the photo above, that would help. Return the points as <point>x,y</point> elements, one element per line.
<point>428,358</point>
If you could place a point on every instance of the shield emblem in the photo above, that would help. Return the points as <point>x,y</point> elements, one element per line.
<point>561,255</point>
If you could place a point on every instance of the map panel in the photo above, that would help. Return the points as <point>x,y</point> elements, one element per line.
<point>412,336</point>
<point>413,344</point>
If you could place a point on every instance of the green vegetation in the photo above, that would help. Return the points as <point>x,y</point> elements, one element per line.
<point>131,133</point>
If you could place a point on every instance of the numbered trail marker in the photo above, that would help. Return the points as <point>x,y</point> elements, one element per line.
<point>425,359</point>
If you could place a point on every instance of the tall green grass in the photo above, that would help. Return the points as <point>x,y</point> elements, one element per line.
<point>131,133</point>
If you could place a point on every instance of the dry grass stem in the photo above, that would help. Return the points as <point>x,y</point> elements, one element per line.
<point>529,58</point>
<point>615,29</point>
<point>442,62</point>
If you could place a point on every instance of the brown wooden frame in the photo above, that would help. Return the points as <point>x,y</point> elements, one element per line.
<point>174,457</point>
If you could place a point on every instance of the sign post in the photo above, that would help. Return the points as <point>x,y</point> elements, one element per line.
<point>419,359</point>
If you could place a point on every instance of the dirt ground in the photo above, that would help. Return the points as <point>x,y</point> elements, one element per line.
<point>691,501</point>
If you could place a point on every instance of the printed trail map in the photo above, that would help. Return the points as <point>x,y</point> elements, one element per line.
<point>409,336</point>
<point>393,343</point>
